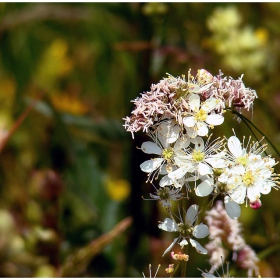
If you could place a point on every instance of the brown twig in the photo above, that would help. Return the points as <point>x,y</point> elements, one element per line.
<point>18,122</point>
<point>42,12</point>
<point>76,263</point>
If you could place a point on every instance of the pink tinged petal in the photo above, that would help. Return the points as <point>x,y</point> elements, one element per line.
<point>253,193</point>
<point>178,174</point>
<point>191,214</point>
<point>232,208</point>
<point>194,101</point>
<point>215,119</point>
<point>198,247</point>
<point>189,121</point>
<point>209,104</point>
<point>151,148</point>
<point>193,87</point>
<point>202,128</point>
<point>235,146</point>
<point>168,225</point>
<point>200,231</point>
<point>170,247</point>
<point>199,143</point>
<point>204,188</point>
<point>204,169</point>
<point>238,195</point>
<point>151,165</point>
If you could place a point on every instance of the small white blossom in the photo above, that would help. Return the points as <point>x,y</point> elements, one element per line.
<point>250,174</point>
<point>202,116</point>
<point>186,229</point>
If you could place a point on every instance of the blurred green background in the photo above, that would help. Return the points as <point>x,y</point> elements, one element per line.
<point>69,173</point>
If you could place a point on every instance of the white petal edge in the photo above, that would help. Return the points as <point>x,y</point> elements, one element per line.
<point>171,245</point>
<point>191,214</point>
<point>198,247</point>
<point>200,231</point>
<point>232,208</point>
<point>204,188</point>
<point>151,165</point>
<point>151,148</point>
<point>234,146</point>
<point>215,119</point>
<point>168,225</point>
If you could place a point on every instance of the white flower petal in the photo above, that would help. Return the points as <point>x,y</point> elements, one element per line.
<point>169,132</point>
<point>204,169</point>
<point>209,104</point>
<point>151,148</point>
<point>189,121</point>
<point>181,143</point>
<point>191,132</point>
<point>266,188</point>
<point>234,146</point>
<point>183,243</point>
<point>198,142</point>
<point>151,165</point>
<point>200,231</point>
<point>253,193</point>
<point>232,208</point>
<point>191,214</point>
<point>208,275</point>
<point>215,119</point>
<point>216,162</point>
<point>178,174</point>
<point>194,101</point>
<point>165,181</point>
<point>202,128</point>
<point>168,225</point>
<point>204,188</point>
<point>238,195</point>
<point>198,247</point>
<point>171,245</point>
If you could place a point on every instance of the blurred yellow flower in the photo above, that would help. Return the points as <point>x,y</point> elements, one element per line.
<point>69,104</point>
<point>262,35</point>
<point>118,189</point>
<point>54,64</point>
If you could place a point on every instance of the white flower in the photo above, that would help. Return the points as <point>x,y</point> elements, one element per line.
<point>164,148</point>
<point>186,229</point>
<point>201,116</point>
<point>165,195</point>
<point>199,160</point>
<point>250,174</point>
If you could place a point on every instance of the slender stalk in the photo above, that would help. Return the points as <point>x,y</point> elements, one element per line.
<point>247,121</point>
<point>184,264</point>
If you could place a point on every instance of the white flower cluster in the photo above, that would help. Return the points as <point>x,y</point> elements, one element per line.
<point>177,115</point>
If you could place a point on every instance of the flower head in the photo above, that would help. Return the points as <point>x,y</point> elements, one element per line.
<point>186,228</point>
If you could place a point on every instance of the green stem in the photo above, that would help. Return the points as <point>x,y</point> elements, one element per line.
<point>266,252</point>
<point>247,122</point>
<point>184,264</point>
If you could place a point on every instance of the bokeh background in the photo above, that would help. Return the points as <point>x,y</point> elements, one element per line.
<point>70,182</point>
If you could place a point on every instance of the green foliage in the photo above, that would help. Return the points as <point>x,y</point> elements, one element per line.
<point>67,171</point>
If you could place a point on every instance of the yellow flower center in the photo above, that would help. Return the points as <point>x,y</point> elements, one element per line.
<point>198,156</point>
<point>248,178</point>
<point>242,160</point>
<point>167,153</point>
<point>200,116</point>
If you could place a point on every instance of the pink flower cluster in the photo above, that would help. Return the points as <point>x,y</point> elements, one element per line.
<point>225,238</point>
<point>169,98</point>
